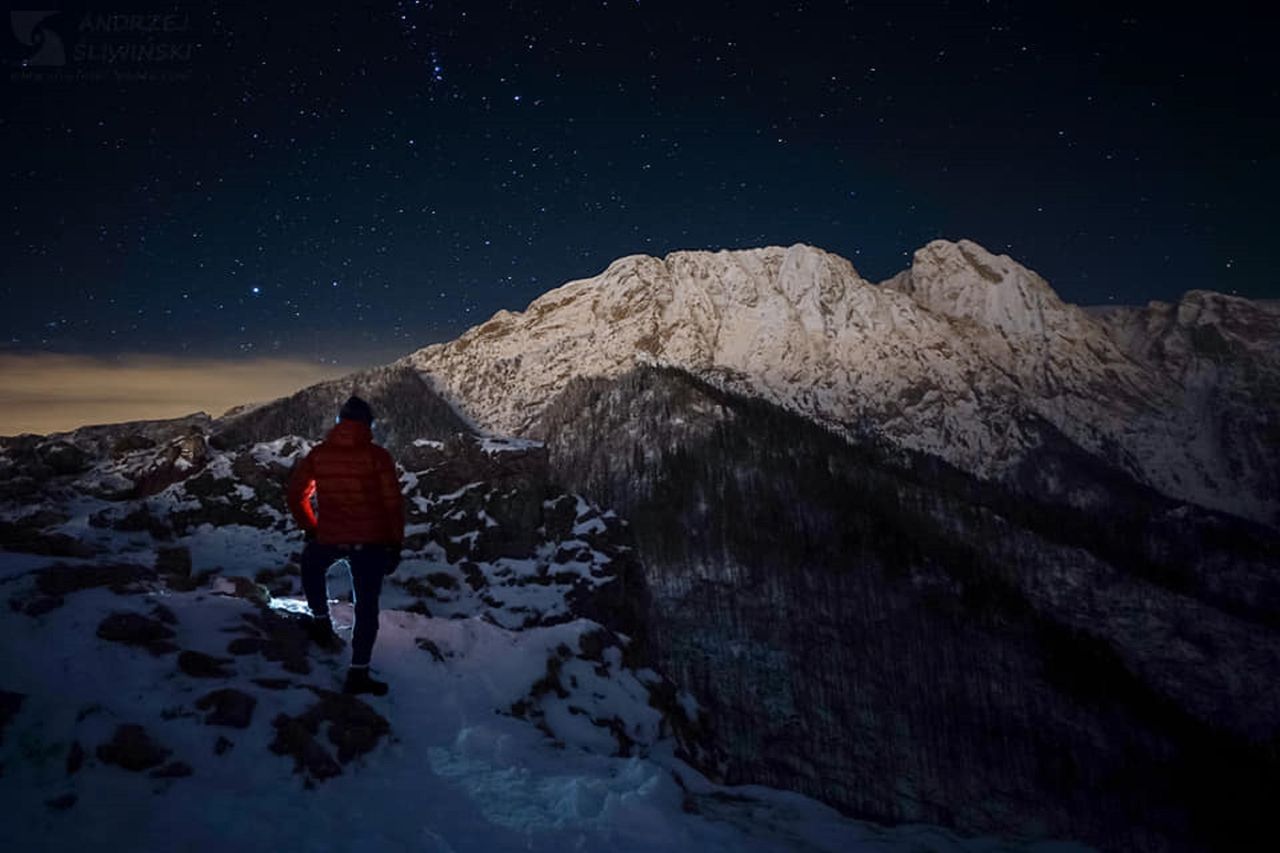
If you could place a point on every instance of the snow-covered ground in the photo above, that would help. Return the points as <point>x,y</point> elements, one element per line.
<point>455,773</point>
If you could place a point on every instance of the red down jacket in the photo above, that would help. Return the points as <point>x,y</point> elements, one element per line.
<point>355,486</point>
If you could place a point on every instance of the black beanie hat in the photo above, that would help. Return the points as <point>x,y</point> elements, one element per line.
<point>356,409</point>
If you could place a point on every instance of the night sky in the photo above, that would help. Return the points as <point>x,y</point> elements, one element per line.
<point>349,186</point>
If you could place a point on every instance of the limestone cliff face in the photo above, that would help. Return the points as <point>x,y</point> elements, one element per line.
<point>957,356</point>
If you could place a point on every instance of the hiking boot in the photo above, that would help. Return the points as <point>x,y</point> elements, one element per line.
<point>322,634</point>
<point>359,681</point>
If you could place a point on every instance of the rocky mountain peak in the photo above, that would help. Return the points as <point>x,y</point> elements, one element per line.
<point>1232,315</point>
<point>1202,329</point>
<point>964,281</point>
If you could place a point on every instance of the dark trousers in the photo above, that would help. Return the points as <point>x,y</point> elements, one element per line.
<point>368,563</point>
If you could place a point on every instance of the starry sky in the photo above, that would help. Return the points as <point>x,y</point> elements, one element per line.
<point>341,187</point>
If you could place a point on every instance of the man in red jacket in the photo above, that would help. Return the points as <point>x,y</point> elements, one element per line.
<point>361,520</point>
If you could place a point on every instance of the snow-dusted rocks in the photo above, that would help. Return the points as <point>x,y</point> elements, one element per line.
<point>144,689</point>
<point>963,355</point>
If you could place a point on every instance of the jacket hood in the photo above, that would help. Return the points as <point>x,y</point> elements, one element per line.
<point>350,432</point>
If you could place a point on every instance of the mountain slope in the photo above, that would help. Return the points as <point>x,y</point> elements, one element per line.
<point>907,642</point>
<point>405,405</point>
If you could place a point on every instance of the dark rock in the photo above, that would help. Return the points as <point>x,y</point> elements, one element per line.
<point>221,502</point>
<point>19,485</point>
<point>129,443</point>
<point>429,646</point>
<point>200,665</point>
<point>62,802</point>
<point>518,516</point>
<point>30,539</point>
<point>559,518</point>
<point>132,748</point>
<point>228,707</point>
<point>550,680</point>
<point>282,581</point>
<point>207,486</point>
<point>172,770</point>
<point>120,578</point>
<point>10,704</point>
<point>88,711</point>
<point>41,604</point>
<point>566,554</point>
<point>593,643</point>
<point>174,561</point>
<point>245,646</point>
<point>474,576</point>
<point>420,607</point>
<point>63,458</point>
<point>242,587</point>
<point>455,549</point>
<point>462,461</point>
<point>134,629</point>
<point>177,583</point>
<point>75,758</point>
<point>268,482</point>
<point>622,604</point>
<point>277,637</point>
<point>273,683</point>
<point>293,737</point>
<point>418,587</point>
<point>164,614</point>
<point>354,729</point>
<point>141,520</point>
<point>442,580</point>
<point>222,745</point>
<point>174,566</point>
<point>182,458</point>
<point>43,518</point>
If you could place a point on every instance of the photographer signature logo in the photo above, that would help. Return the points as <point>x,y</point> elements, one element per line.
<point>33,31</point>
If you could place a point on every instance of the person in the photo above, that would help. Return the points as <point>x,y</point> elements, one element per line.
<point>360,519</point>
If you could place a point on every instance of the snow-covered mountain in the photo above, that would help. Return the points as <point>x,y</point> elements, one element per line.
<point>942,551</point>
<point>966,355</point>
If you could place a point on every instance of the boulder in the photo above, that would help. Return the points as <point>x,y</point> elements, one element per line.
<point>201,665</point>
<point>228,707</point>
<point>134,629</point>
<point>354,729</point>
<point>132,748</point>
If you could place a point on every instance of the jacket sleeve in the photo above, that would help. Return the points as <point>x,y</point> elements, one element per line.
<point>392,500</point>
<point>302,485</point>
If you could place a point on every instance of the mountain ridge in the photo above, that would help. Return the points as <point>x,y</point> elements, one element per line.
<point>948,357</point>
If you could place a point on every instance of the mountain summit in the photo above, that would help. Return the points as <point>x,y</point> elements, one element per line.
<point>966,355</point>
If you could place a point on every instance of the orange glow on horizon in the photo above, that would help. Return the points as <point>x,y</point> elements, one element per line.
<point>50,392</point>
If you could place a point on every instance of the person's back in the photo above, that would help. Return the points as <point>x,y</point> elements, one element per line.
<point>358,516</point>
<point>357,492</point>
